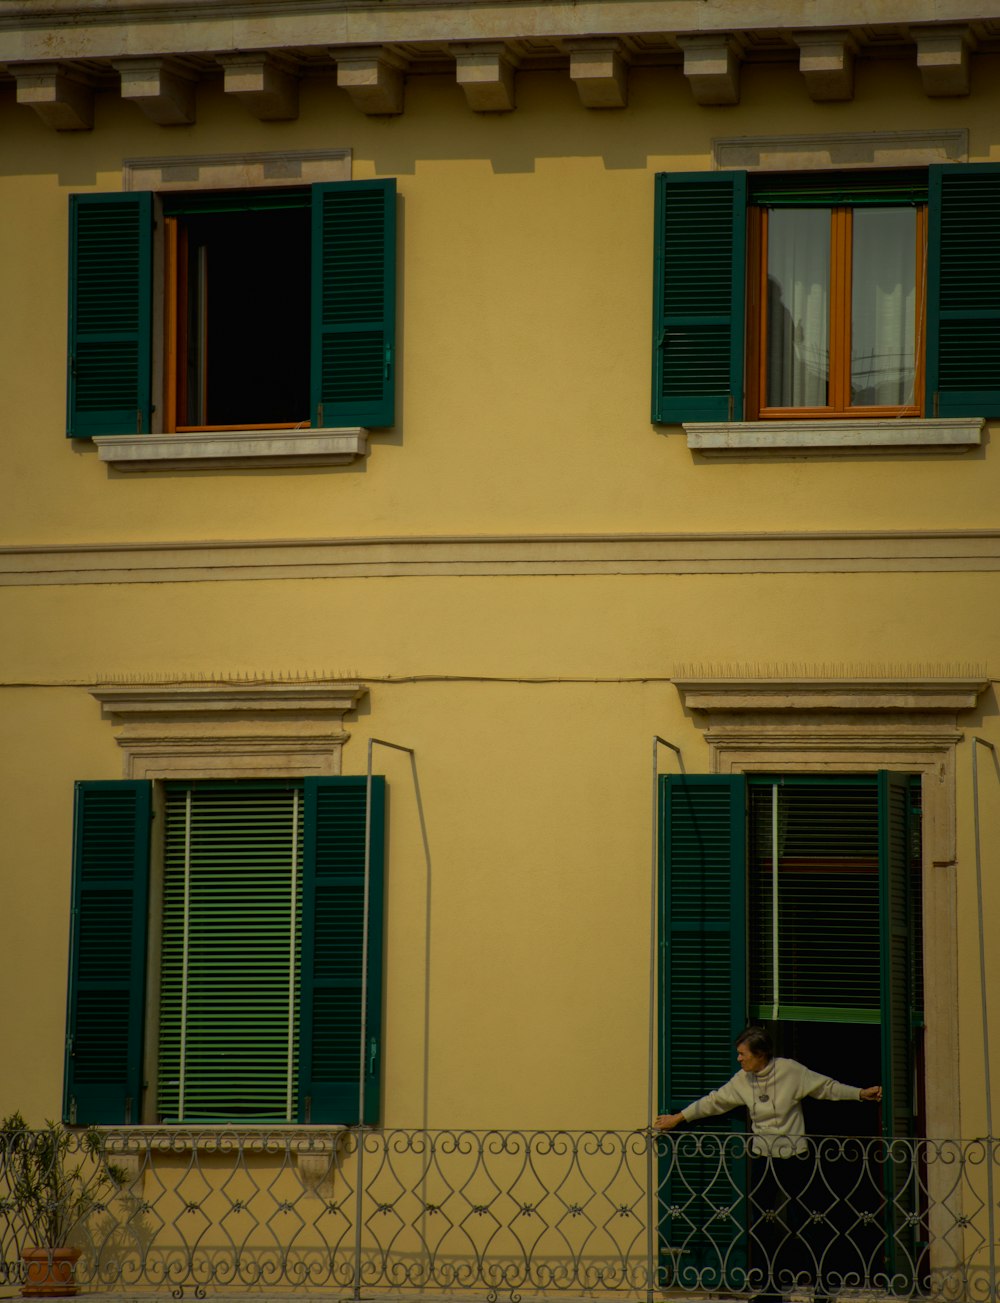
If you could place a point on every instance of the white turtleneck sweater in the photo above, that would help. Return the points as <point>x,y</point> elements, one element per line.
<point>778,1126</point>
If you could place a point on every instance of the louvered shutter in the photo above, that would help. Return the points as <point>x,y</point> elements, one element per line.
<point>353,303</point>
<point>901,1176</point>
<point>963,290</point>
<point>338,971</point>
<point>110,303</point>
<point>107,966</point>
<point>699,296</point>
<point>229,982</point>
<point>703,1006</point>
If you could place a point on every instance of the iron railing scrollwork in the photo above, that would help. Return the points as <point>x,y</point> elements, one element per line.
<point>508,1212</point>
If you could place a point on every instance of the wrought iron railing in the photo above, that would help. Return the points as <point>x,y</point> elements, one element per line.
<point>513,1212</point>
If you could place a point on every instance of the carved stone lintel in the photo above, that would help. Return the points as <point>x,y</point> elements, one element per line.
<point>485,72</point>
<point>598,69</point>
<point>943,59</point>
<point>826,61</point>
<point>162,88</point>
<point>242,729</point>
<point>63,97</point>
<point>265,82</point>
<point>712,67</point>
<point>373,77</point>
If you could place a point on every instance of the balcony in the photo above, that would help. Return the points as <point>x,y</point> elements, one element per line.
<point>507,1212</point>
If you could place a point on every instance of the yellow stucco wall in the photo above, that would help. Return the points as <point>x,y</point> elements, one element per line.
<point>517,963</point>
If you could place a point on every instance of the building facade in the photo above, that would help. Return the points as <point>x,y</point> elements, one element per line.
<point>578,417</point>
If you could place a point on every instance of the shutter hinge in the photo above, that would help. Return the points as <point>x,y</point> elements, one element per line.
<point>937,403</point>
<point>72,1110</point>
<point>307,1108</point>
<point>372,1051</point>
<point>138,420</point>
<point>730,417</point>
<point>128,1110</point>
<point>388,360</point>
<point>319,415</point>
<point>69,1045</point>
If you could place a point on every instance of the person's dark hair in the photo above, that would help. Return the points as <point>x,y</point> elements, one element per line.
<point>757,1040</point>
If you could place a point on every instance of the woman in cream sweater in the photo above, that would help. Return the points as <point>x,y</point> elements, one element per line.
<point>772,1091</point>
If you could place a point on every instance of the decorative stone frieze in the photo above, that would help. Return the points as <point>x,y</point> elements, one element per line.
<point>61,95</point>
<point>373,77</point>
<point>599,72</point>
<point>712,67</point>
<point>826,61</point>
<point>162,88</point>
<point>266,83</point>
<point>485,72</point>
<point>943,59</point>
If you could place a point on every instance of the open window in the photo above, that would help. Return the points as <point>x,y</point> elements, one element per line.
<point>278,309</point>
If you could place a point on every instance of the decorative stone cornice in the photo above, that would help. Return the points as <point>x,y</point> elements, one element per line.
<point>826,61</point>
<point>712,68</point>
<point>485,72</point>
<point>252,728</point>
<point>598,70</point>
<point>943,59</point>
<point>842,695</point>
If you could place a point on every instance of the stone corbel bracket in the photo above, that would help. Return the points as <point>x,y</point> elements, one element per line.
<point>163,88</point>
<point>62,96</point>
<point>253,729</point>
<point>373,76</point>
<point>485,71</point>
<point>826,61</point>
<point>598,67</point>
<point>943,59</point>
<point>712,68</point>
<point>266,82</point>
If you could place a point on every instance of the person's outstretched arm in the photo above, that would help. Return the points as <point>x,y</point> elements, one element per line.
<point>711,1105</point>
<point>820,1087</point>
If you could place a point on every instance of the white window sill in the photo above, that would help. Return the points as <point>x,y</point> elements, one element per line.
<point>893,434</point>
<point>232,449</point>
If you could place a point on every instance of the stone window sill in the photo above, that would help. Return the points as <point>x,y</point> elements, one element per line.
<point>902,435</point>
<point>232,449</point>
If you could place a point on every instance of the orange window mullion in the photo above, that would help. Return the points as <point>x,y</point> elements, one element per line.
<point>840,309</point>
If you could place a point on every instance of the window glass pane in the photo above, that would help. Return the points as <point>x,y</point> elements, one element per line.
<point>883,306</point>
<point>798,307</point>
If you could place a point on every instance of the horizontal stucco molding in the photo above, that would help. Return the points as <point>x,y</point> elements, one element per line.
<point>483,556</point>
<point>232,449</point>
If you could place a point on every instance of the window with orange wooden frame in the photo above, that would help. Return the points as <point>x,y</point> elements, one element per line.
<point>236,320</point>
<point>836,310</point>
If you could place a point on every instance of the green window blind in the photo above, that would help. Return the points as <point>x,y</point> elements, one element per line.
<point>354,303</point>
<point>229,987</point>
<point>107,964</point>
<point>703,1005</point>
<point>699,296</point>
<point>341,963</point>
<point>814,899</point>
<point>963,290</point>
<point>110,296</point>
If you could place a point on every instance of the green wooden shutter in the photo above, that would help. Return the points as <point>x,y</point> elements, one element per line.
<point>963,290</point>
<point>900,1171</point>
<point>229,977</point>
<point>699,296</point>
<point>703,1007</point>
<point>107,965</point>
<point>353,303</point>
<point>110,304</point>
<point>332,951</point>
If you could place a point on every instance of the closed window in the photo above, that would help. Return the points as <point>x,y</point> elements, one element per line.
<point>827,295</point>
<point>220,971</point>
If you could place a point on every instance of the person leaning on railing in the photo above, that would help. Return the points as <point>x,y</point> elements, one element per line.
<point>772,1091</point>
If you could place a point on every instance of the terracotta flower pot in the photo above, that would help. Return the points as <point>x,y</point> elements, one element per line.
<point>50,1272</point>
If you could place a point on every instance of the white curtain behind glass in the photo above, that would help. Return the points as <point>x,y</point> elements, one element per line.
<point>798,307</point>
<point>883,316</point>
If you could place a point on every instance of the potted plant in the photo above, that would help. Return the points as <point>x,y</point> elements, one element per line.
<point>50,1180</point>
